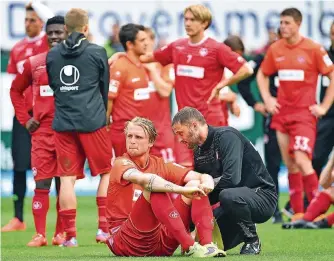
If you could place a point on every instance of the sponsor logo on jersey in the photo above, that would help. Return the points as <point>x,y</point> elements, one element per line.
<point>190,71</point>
<point>291,75</point>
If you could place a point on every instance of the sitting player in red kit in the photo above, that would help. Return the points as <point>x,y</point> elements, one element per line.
<point>143,220</point>
<point>43,153</point>
<point>298,61</point>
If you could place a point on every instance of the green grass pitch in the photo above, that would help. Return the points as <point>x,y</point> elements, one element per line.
<point>277,245</point>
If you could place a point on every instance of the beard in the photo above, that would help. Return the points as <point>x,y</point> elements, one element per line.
<point>193,139</point>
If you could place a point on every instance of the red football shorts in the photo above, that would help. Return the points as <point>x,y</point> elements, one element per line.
<point>43,156</point>
<point>164,146</point>
<point>301,128</point>
<point>74,147</point>
<point>152,239</point>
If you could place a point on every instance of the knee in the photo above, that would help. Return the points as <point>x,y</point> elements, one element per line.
<point>226,198</point>
<point>44,184</point>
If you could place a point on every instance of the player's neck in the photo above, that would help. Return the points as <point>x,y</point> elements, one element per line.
<point>142,161</point>
<point>133,58</point>
<point>294,39</point>
<point>195,39</point>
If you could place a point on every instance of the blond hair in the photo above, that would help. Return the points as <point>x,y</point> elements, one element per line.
<point>147,126</point>
<point>150,32</point>
<point>201,13</point>
<point>76,19</point>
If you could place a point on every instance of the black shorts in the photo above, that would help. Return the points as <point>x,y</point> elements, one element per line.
<point>21,147</point>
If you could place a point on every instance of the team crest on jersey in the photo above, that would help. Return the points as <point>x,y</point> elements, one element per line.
<point>301,59</point>
<point>203,52</point>
<point>174,214</point>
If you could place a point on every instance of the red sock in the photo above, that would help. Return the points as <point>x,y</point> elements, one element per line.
<point>101,206</point>
<point>319,205</point>
<point>330,219</point>
<point>202,216</point>
<point>296,192</point>
<point>68,217</point>
<point>311,184</point>
<point>40,207</point>
<point>59,225</point>
<point>167,214</point>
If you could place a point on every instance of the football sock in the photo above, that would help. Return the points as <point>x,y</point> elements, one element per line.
<point>167,214</point>
<point>296,192</point>
<point>311,184</point>
<point>319,205</point>
<point>40,207</point>
<point>202,216</point>
<point>68,218</point>
<point>101,206</point>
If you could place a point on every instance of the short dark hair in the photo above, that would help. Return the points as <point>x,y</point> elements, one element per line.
<point>129,32</point>
<point>235,43</point>
<point>187,114</point>
<point>58,19</point>
<point>29,8</point>
<point>294,13</point>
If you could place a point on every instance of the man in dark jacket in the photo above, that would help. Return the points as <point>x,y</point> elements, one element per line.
<point>78,74</point>
<point>272,152</point>
<point>243,186</point>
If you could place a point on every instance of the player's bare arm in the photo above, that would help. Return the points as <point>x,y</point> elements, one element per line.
<point>154,183</point>
<point>163,87</point>
<point>320,110</point>
<point>19,85</point>
<point>327,175</point>
<point>244,72</point>
<point>270,102</point>
<point>115,57</point>
<point>206,181</point>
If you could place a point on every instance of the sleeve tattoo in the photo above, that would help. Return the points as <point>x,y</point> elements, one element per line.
<point>169,186</point>
<point>128,173</point>
<point>150,183</point>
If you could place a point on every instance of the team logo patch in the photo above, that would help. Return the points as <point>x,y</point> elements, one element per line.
<point>301,59</point>
<point>203,52</point>
<point>69,75</point>
<point>34,171</point>
<point>37,205</point>
<point>174,214</point>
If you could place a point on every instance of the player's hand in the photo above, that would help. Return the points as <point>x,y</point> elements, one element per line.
<point>207,188</point>
<point>317,110</point>
<point>272,106</point>
<point>192,192</point>
<point>261,108</point>
<point>152,67</point>
<point>214,93</point>
<point>32,125</point>
<point>115,57</point>
<point>235,109</point>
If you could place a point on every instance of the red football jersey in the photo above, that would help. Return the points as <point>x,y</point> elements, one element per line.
<point>298,67</point>
<point>160,115</point>
<point>34,74</point>
<point>21,51</point>
<point>129,90</point>
<point>122,194</point>
<point>198,69</point>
